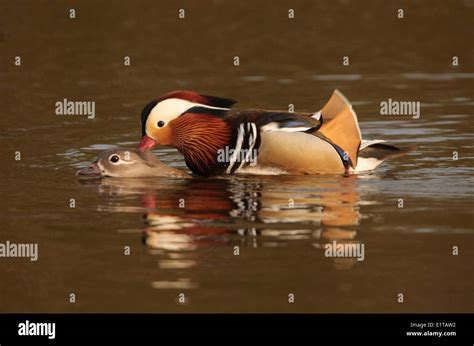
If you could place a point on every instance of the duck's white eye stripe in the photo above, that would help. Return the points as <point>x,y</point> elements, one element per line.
<point>210,107</point>
<point>170,109</point>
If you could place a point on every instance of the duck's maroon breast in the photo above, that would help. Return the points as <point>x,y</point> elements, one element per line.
<point>200,138</point>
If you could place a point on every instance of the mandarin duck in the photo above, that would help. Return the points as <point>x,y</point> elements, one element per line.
<point>215,141</point>
<point>129,163</point>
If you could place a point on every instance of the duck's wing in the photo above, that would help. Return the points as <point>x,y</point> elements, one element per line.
<point>299,152</point>
<point>276,120</point>
<point>335,105</point>
<point>340,125</point>
<point>288,141</point>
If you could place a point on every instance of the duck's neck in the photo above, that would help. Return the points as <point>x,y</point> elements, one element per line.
<point>199,138</point>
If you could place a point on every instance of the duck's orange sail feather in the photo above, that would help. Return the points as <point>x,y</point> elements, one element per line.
<point>340,125</point>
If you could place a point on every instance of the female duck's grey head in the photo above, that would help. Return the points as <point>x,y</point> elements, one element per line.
<point>128,163</point>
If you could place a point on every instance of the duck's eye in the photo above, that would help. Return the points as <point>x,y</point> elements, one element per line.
<point>161,123</point>
<point>114,158</point>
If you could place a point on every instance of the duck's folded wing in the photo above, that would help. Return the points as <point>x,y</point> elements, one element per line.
<point>340,125</point>
<point>298,152</point>
<point>277,121</point>
<point>335,105</point>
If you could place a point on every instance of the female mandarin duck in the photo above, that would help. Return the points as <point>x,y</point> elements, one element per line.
<point>129,163</point>
<point>203,130</point>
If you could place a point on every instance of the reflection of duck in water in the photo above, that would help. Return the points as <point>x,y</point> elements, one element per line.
<point>185,215</point>
<point>255,213</point>
<point>188,218</point>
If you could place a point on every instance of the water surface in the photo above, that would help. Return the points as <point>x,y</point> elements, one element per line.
<point>278,224</point>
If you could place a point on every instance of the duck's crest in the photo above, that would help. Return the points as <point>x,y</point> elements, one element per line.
<point>192,96</point>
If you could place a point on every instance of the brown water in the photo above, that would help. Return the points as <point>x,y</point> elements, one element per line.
<point>191,250</point>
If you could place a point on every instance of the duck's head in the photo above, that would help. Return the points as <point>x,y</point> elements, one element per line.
<point>127,163</point>
<point>161,119</point>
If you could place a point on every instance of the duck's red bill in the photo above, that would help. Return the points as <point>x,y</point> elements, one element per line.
<point>147,143</point>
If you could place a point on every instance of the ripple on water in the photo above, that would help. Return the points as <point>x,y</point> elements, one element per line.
<point>178,284</point>
<point>256,78</point>
<point>100,147</point>
<point>337,77</point>
<point>438,76</point>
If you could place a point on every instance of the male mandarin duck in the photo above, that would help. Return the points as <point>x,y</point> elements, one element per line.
<point>202,128</point>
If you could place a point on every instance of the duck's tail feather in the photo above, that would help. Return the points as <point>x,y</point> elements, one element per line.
<point>340,125</point>
<point>374,152</point>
